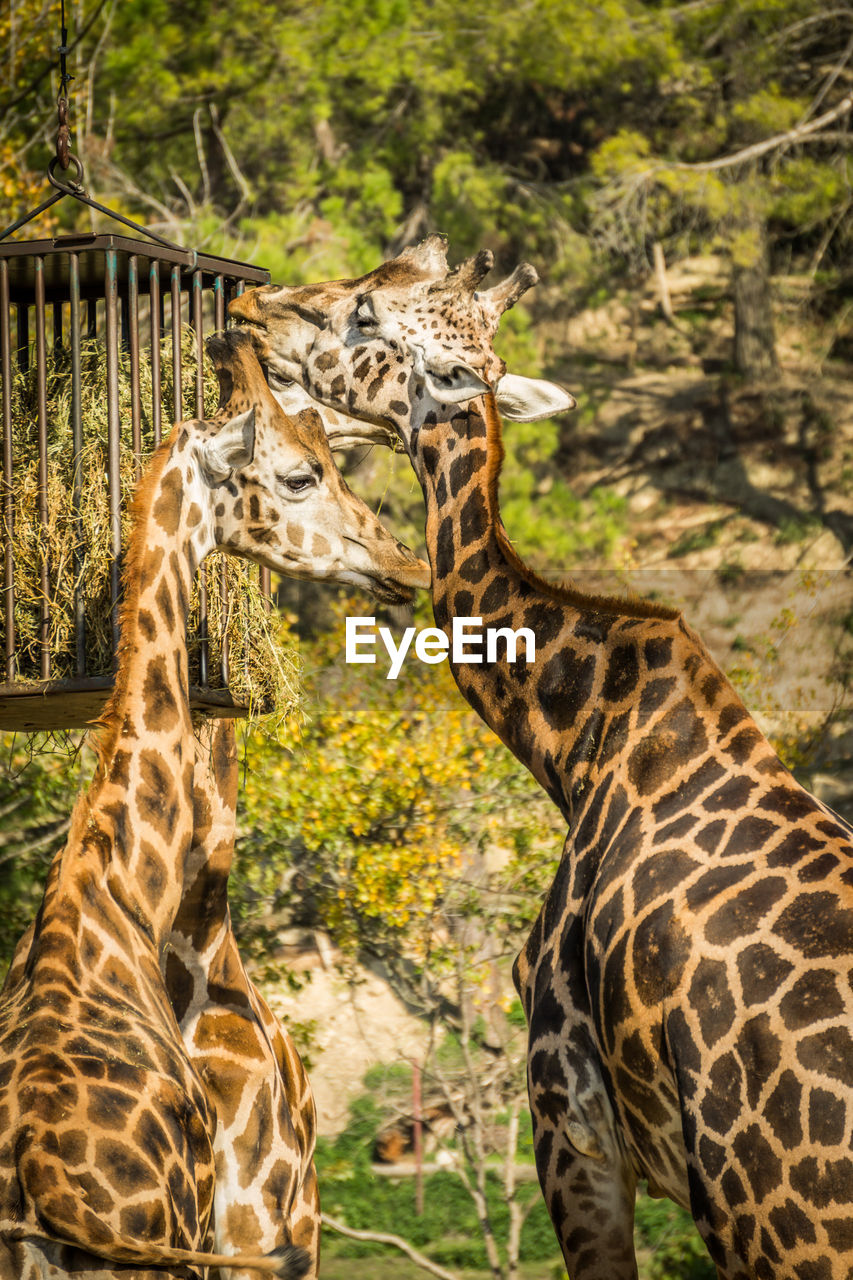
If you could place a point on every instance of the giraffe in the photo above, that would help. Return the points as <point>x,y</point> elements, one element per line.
<point>266,1186</point>
<point>265,1191</point>
<point>687,982</point>
<point>107,1147</point>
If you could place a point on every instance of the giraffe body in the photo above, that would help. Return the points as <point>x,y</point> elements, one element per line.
<point>107,1147</point>
<point>687,983</point>
<point>266,1188</point>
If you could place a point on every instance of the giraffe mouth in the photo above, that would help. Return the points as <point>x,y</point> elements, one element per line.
<point>383,589</point>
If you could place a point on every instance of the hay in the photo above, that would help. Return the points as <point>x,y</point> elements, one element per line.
<point>262,674</point>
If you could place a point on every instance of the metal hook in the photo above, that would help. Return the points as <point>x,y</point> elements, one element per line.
<point>73,187</point>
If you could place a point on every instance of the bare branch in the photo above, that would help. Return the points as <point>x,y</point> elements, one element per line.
<point>11,807</point>
<point>202,158</point>
<point>826,239</point>
<point>827,15</point>
<point>830,81</point>
<point>802,133</point>
<point>192,210</point>
<point>23,851</point>
<point>93,62</point>
<point>6,107</point>
<point>129,187</point>
<point>230,160</point>
<point>382,1237</point>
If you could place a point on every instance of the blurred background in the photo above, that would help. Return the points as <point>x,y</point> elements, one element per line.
<point>680,176</point>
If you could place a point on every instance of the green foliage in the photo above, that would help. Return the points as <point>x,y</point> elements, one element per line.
<point>366,843</point>
<point>448,1231</point>
<point>669,1245</point>
<point>308,136</point>
<point>37,786</point>
<point>675,1246</point>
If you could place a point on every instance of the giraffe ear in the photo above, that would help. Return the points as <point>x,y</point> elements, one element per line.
<point>232,448</point>
<point>454,384</point>
<point>528,399</point>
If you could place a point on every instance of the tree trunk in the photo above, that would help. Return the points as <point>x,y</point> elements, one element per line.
<point>755,339</point>
<point>516,1216</point>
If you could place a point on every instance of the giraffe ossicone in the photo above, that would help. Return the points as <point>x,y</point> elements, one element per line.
<point>107,1148</point>
<point>417,336</point>
<point>687,983</point>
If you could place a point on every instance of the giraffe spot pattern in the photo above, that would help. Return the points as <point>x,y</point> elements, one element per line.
<point>674,771</point>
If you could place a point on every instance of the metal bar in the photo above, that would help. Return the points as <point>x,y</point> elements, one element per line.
<point>219,303</point>
<point>198,325</point>
<point>113,430</point>
<point>78,193</point>
<point>23,318</point>
<point>8,500</point>
<point>178,411</point>
<point>33,213</point>
<point>41,398</point>
<point>219,315</point>
<point>125,322</point>
<point>77,465</point>
<point>187,260</point>
<point>224,647</point>
<point>133,345</point>
<point>265,576</point>
<point>155,303</point>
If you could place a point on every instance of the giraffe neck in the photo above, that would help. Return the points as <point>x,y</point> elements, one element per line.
<point>138,815</point>
<point>553,713</point>
<point>203,912</point>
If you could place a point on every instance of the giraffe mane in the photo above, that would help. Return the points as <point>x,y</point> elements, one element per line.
<point>566,592</point>
<point>107,726</point>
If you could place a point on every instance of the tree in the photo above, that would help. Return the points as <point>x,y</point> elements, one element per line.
<point>744,149</point>
<point>37,791</point>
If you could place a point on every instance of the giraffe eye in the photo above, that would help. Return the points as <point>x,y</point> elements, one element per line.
<point>298,481</point>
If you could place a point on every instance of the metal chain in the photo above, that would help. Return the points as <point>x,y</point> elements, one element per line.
<point>63,137</point>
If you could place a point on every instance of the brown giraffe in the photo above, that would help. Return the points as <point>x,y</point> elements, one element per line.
<point>266,1188</point>
<point>687,984</point>
<point>107,1146</point>
<point>265,1192</point>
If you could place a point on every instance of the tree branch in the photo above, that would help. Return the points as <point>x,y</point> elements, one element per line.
<point>24,851</point>
<point>202,158</point>
<point>382,1237</point>
<point>6,107</point>
<point>230,160</point>
<point>793,136</point>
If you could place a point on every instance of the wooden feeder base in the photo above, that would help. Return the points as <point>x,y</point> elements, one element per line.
<point>71,704</point>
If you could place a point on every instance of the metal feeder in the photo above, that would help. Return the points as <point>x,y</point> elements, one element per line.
<point>124,291</point>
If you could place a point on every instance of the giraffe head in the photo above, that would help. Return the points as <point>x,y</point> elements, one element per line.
<point>276,496</point>
<point>409,339</point>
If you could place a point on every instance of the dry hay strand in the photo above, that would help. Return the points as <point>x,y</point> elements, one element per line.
<point>76,544</point>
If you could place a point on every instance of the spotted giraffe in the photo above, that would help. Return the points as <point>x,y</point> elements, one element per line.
<point>687,984</point>
<point>265,1192</point>
<point>266,1186</point>
<point>107,1146</point>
